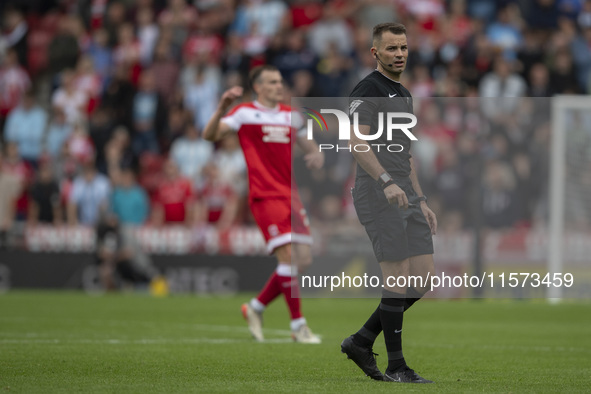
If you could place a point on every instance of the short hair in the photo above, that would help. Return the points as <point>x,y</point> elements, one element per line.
<point>256,72</point>
<point>392,27</point>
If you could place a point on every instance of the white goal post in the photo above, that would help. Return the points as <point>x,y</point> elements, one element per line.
<point>558,172</point>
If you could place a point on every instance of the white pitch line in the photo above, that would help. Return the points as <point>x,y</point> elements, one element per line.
<point>504,347</point>
<point>214,328</point>
<point>198,326</point>
<point>145,341</point>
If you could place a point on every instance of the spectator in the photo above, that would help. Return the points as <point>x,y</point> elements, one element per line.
<point>539,81</point>
<point>101,128</point>
<point>199,63</point>
<point>44,204</point>
<point>266,15</point>
<point>118,152</point>
<point>498,195</point>
<point>88,81</point>
<point>173,201</point>
<point>63,48</point>
<point>505,86</point>
<point>115,17</point>
<point>303,85</point>
<point>531,52</point>
<point>563,76</point>
<point>89,197</point>
<point>118,97</point>
<point>129,202</point>
<point>179,18</point>
<point>14,82</point>
<point>503,34</point>
<point>119,257</point>
<point>14,164</point>
<point>330,30</point>
<point>16,34</point>
<point>235,59</point>
<point>79,31</point>
<point>149,115</point>
<point>231,165</point>
<point>191,153</point>
<point>10,189</point>
<point>201,95</point>
<point>581,50</point>
<point>101,55</point>
<point>79,143</point>
<point>296,57</point>
<point>127,52</point>
<point>147,35</point>
<point>167,70</point>
<point>65,169</point>
<point>333,68</point>
<point>58,132</point>
<point>67,98</point>
<point>178,119</point>
<point>450,181</point>
<point>218,202</point>
<point>25,127</point>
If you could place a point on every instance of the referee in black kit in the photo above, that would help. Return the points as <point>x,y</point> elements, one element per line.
<point>390,204</point>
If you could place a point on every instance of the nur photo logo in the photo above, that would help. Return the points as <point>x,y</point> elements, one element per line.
<point>387,123</point>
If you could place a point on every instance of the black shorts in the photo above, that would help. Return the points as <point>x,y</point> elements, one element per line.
<point>395,233</point>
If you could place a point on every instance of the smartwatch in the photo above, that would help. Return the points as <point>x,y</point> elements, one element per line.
<point>385,180</point>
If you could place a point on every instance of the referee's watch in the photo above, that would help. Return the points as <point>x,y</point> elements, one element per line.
<point>422,198</point>
<point>385,180</point>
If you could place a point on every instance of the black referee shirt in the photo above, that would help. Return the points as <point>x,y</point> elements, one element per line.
<point>378,93</point>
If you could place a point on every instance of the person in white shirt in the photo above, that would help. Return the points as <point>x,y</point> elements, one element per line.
<point>89,197</point>
<point>70,100</point>
<point>191,153</point>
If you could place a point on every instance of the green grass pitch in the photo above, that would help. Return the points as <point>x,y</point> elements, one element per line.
<point>68,342</point>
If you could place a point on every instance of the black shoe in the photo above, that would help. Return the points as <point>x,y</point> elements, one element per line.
<point>405,376</point>
<point>364,357</point>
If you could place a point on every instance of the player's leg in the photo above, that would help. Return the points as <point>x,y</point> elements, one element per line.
<point>252,311</point>
<point>373,213</point>
<point>391,316</point>
<point>293,257</point>
<point>387,317</point>
<point>394,300</point>
<point>420,266</point>
<point>420,247</point>
<point>392,310</point>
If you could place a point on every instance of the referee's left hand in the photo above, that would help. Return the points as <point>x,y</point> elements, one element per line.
<point>430,216</point>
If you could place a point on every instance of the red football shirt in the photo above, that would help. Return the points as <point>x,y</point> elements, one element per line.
<point>266,137</point>
<point>172,195</point>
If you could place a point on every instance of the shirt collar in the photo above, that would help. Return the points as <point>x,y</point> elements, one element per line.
<point>387,76</point>
<point>261,106</point>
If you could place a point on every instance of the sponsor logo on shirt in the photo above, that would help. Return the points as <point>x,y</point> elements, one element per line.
<point>276,134</point>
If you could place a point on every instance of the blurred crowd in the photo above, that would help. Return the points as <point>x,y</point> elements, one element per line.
<point>102,102</point>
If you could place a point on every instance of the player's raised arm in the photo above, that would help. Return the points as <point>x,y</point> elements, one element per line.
<point>215,130</point>
<point>369,162</point>
<point>314,158</point>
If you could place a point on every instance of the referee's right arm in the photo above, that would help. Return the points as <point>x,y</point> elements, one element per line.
<point>369,162</point>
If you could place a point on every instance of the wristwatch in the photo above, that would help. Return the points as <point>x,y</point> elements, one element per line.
<point>385,180</point>
<point>423,198</point>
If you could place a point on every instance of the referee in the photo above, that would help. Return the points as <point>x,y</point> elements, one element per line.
<point>390,204</point>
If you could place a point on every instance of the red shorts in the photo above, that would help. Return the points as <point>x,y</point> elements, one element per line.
<point>282,221</point>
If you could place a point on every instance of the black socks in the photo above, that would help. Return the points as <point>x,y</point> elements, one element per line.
<point>367,334</point>
<point>391,314</point>
<point>412,296</point>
